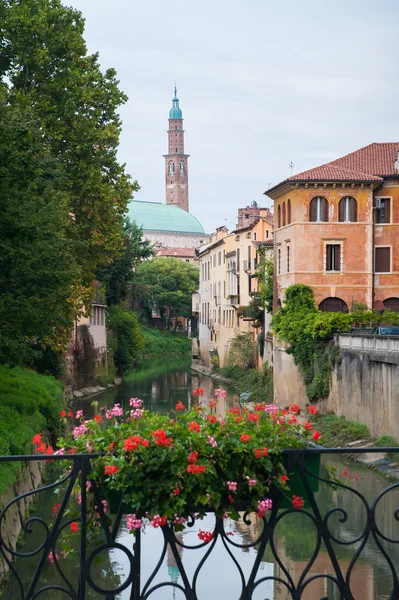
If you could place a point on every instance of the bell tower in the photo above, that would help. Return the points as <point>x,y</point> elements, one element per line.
<point>176,162</point>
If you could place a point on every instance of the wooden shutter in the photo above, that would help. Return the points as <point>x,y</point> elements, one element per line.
<point>288,211</point>
<point>353,210</point>
<point>341,210</point>
<point>279,216</point>
<point>382,260</point>
<point>238,259</point>
<point>387,206</point>
<point>324,210</point>
<point>329,257</point>
<point>313,210</point>
<point>337,257</point>
<point>284,222</point>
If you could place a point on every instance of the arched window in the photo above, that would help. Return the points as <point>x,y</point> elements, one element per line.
<point>171,167</point>
<point>347,210</point>
<point>318,210</point>
<point>175,126</point>
<point>181,167</point>
<point>333,305</point>
<point>279,216</point>
<point>392,304</point>
<point>288,211</point>
<point>284,223</point>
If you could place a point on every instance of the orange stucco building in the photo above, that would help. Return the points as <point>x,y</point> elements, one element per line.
<point>337,230</point>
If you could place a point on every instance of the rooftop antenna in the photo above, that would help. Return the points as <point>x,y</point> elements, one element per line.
<point>291,166</point>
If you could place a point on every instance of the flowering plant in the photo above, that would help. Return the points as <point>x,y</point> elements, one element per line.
<point>169,468</point>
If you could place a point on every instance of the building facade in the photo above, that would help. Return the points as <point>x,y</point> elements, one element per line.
<point>227,267</point>
<point>337,230</point>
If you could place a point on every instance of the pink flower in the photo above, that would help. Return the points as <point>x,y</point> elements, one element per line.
<point>136,414</point>
<point>271,408</point>
<point>61,451</point>
<point>219,393</point>
<point>179,520</point>
<point>252,482</point>
<point>264,506</point>
<point>222,421</point>
<point>133,523</point>
<point>134,403</point>
<point>79,414</point>
<point>52,557</point>
<point>212,441</point>
<point>232,485</point>
<point>116,411</point>
<point>79,430</point>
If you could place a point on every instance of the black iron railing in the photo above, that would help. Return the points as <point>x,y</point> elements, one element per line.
<point>330,525</point>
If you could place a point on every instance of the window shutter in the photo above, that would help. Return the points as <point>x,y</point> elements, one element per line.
<point>382,260</point>
<point>341,210</point>
<point>353,210</point>
<point>337,257</point>
<point>284,223</point>
<point>313,210</point>
<point>387,205</point>
<point>238,259</point>
<point>288,211</point>
<point>324,210</point>
<point>328,257</point>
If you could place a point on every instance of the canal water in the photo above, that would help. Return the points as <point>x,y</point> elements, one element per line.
<point>161,384</point>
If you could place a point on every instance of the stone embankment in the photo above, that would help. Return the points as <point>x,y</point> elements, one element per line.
<point>208,372</point>
<point>14,518</point>
<point>90,390</point>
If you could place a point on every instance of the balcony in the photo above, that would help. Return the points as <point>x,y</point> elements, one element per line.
<point>233,300</point>
<point>346,546</point>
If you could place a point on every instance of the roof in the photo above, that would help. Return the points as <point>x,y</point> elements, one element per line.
<point>371,163</point>
<point>175,112</point>
<point>154,216</point>
<point>178,252</point>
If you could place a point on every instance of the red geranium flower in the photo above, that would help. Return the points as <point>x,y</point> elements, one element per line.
<point>70,414</point>
<point>63,413</point>
<point>111,469</point>
<point>260,406</point>
<point>211,418</point>
<point>308,426</point>
<point>198,391</point>
<point>294,409</point>
<point>253,417</point>
<point>74,526</point>
<point>195,469</point>
<point>194,426</point>
<point>180,405</point>
<point>37,439</point>
<point>316,435</point>
<point>111,446</point>
<point>297,501</point>
<point>261,452</point>
<point>192,458</point>
<point>56,507</point>
<point>312,410</point>
<point>238,419</point>
<point>284,478</point>
<point>98,418</point>
<point>245,437</point>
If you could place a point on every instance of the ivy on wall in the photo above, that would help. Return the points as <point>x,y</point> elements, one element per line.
<point>309,334</point>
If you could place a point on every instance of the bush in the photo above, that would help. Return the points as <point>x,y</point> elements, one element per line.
<point>127,338</point>
<point>338,431</point>
<point>165,342</point>
<point>243,352</point>
<point>29,403</point>
<point>258,382</point>
<point>388,441</point>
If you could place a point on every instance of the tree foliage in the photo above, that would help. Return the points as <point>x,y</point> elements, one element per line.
<point>265,276</point>
<point>128,339</point>
<point>39,278</point>
<point>45,60</point>
<point>165,286</point>
<point>119,276</point>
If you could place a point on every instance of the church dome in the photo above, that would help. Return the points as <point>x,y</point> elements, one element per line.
<point>175,112</point>
<point>154,216</point>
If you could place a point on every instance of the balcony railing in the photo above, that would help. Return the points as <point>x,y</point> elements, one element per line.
<point>233,300</point>
<point>331,528</point>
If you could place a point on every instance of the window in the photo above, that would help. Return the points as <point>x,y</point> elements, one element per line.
<point>219,258</point>
<point>171,167</point>
<point>181,168</point>
<point>255,236</point>
<point>383,210</point>
<point>224,256</point>
<point>288,211</point>
<point>333,257</point>
<point>383,260</point>
<point>318,210</point>
<point>333,305</point>
<point>177,150</point>
<point>249,284</point>
<point>238,259</point>
<point>279,261</point>
<point>267,234</point>
<point>288,259</point>
<point>284,223</point>
<point>347,210</point>
<point>279,216</point>
<point>392,304</point>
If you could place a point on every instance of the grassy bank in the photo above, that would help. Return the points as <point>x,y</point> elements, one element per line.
<point>29,404</point>
<point>258,382</point>
<point>165,342</point>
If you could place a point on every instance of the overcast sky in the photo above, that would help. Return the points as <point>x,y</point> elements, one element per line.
<point>260,82</point>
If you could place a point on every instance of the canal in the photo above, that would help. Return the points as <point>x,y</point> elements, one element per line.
<point>161,384</point>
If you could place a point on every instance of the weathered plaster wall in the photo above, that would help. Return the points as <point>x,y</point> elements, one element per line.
<point>364,386</point>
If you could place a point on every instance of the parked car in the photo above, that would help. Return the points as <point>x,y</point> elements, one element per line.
<point>386,330</point>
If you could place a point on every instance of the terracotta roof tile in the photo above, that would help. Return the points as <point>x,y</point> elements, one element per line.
<point>179,252</point>
<point>370,163</point>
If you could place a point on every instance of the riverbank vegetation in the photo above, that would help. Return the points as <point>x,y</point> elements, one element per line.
<point>158,342</point>
<point>337,431</point>
<point>309,332</point>
<point>29,403</point>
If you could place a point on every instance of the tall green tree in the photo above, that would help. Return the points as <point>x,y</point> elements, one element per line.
<point>166,286</point>
<point>119,276</point>
<point>40,292</point>
<point>44,59</point>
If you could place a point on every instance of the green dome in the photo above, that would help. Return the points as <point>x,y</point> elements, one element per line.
<point>154,216</point>
<point>175,112</point>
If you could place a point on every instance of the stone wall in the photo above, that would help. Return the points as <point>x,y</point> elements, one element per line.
<point>364,385</point>
<point>28,479</point>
